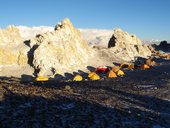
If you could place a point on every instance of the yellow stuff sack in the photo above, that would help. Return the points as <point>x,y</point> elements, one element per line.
<point>41,78</point>
<point>78,78</point>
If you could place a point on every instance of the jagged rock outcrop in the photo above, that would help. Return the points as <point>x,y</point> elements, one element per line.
<point>128,46</point>
<point>122,39</point>
<point>12,49</point>
<point>62,50</point>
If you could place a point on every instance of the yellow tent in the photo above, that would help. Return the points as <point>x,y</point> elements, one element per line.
<point>78,78</point>
<point>111,74</point>
<point>120,73</point>
<point>94,76</point>
<point>41,78</point>
<point>115,69</point>
<point>144,66</point>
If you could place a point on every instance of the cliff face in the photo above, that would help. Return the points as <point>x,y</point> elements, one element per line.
<point>61,50</point>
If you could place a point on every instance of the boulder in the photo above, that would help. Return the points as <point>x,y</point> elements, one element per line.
<point>60,51</point>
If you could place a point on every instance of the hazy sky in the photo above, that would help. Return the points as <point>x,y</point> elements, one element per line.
<point>148,19</point>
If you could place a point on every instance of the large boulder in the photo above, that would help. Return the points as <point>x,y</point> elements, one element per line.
<point>128,46</point>
<point>60,51</point>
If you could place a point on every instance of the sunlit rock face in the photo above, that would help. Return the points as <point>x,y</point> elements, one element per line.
<point>12,49</point>
<point>127,45</point>
<point>59,51</point>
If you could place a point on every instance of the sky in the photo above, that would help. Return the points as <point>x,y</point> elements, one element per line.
<point>148,19</point>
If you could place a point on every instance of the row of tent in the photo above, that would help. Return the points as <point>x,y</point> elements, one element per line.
<point>107,72</point>
<point>101,71</point>
<point>115,71</point>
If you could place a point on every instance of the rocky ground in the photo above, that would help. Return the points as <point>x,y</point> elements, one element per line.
<point>139,99</point>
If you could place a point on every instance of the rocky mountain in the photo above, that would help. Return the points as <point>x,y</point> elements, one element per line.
<point>47,52</point>
<point>63,49</point>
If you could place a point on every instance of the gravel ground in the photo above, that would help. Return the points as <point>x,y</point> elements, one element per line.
<point>140,99</point>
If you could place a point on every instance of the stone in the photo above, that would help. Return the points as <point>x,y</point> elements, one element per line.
<point>63,50</point>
